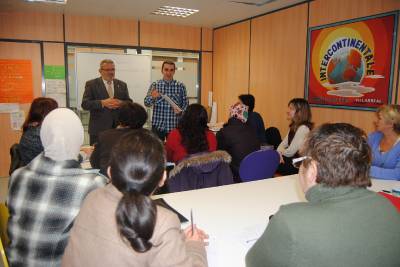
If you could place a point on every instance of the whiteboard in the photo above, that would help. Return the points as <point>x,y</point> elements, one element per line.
<point>135,70</point>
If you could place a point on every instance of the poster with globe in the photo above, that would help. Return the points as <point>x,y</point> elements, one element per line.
<point>350,64</point>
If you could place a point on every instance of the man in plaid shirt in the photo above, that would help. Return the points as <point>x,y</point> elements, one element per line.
<point>166,116</point>
<point>45,196</point>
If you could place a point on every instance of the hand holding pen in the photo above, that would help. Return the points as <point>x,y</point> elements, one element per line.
<point>193,233</point>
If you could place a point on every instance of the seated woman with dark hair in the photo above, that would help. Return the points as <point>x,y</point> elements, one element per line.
<point>30,145</point>
<point>343,223</point>
<point>120,225</point>
<point>254,119</point>
<point>131,116</point>
<point>191,136</point>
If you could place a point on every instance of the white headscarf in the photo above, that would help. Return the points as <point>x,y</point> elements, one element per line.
<point>61,135</point>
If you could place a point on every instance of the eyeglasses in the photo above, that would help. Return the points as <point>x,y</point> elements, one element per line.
<point>108,69</point>
<point>298,161</point>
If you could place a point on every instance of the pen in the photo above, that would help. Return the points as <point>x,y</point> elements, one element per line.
<point>387,191</point>
<point>191,220</point>
<point>251,240</point>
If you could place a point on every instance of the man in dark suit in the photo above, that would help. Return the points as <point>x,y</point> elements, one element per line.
<point>131,116</point>
<point>103,97</point>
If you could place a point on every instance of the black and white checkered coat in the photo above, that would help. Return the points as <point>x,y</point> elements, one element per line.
<point>44,199</point>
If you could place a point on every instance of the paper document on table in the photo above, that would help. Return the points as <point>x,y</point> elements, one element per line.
<point>249,235</point>
<point>237,243</point>
<point>171,102</point>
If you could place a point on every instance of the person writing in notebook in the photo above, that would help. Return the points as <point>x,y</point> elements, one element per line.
<point>103,97</point>
<point>168,98</point>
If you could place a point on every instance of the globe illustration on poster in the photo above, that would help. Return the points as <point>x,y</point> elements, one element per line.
<point>345,66</point>
<point>351,63</point>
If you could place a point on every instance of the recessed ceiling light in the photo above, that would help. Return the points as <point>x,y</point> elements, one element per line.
<point>64,2</point>
<point>174,11</point>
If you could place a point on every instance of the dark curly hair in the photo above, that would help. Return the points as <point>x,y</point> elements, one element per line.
<point>132,115</point>
<point>193,127</point>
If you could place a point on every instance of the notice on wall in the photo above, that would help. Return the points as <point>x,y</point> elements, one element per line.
<point>9,107</point>
<point>55,83</point>
<point>16,82</point>
<point>56,90</point>
<point>17,120</point>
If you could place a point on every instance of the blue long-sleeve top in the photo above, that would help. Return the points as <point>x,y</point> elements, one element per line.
<point>385,165</point>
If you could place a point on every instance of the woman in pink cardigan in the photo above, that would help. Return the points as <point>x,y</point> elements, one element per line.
<point>120,225</point>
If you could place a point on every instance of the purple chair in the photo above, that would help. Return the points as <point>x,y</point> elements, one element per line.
<point>259,165</point>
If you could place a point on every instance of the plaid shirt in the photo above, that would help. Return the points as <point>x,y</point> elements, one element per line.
<point>164,117</point>
<point>44,199</point>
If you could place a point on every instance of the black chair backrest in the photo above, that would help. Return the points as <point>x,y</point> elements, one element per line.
<point>15,158</point>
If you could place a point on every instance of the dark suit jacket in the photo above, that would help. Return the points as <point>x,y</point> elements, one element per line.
<point>239,140</point>
<point>102,149</point>
<point>102,118</point>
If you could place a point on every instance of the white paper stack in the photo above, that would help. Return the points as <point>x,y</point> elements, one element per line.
<point>213,119</point>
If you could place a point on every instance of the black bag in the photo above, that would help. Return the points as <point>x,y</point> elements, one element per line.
<point>15,158</point>
<point>273,136</point>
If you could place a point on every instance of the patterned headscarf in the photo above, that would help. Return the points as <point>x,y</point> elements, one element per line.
<point>239,111</point>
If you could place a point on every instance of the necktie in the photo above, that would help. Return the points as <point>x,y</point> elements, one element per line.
<point>109,90</point>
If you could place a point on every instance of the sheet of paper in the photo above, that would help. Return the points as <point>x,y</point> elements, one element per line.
<point>237,243</point>
<point>56,90</point>
<point>17,120</point>
<point>9,107</point>
<point>249,235</point>
<point>171,102</point>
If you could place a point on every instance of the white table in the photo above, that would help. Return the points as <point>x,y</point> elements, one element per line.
<point>235,214</point>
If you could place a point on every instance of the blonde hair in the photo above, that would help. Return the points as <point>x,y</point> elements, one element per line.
<point>390,114</point>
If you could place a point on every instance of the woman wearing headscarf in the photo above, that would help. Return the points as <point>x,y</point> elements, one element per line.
<point>385,145</point>
<point>45,196</point>
<point>237,138</point>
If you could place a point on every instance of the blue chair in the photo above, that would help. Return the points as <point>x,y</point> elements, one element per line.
<point>259,165</point>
